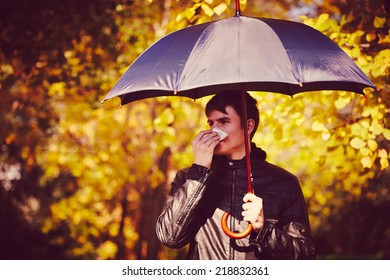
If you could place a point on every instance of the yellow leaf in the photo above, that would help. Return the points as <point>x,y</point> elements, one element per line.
<point>103,155</point>
<point>384,163</point>
<point>376,128</point>
<point>365,123</point>
<point>57,89</point>
<point>356,52</point>
<point>382,153</point>
<point>322,18</point>
<point>68,53</point>
<point>365,152</point>
<point>189,13</point>
<point>107,250</point>
<point>343,20</point>
<point>379,22</point>
<point>366,162</point>
<point>278,133</point>
<point>7,69</point>
<point>325,136</point>
<point>179,17</point>
<point>208,11</point>
<point>372,144</point>
<point>74,61</point>
<point>10,138</point>
<point>320,197</point>
<point>220,8</point>
<point>386,133</point>
<point>357,143</point>
<point>317,126</point>
<point>370,37</point>
<point>362,60</point>
<point>358,130</point>
<point>341,102</point>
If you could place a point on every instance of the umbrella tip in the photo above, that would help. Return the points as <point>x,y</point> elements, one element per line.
<point>238,10</point>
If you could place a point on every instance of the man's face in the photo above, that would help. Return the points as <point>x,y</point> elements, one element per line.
<point>233,146</point>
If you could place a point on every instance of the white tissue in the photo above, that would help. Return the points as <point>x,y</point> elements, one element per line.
<point>221,133</point>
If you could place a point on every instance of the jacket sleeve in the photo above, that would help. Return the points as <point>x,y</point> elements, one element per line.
<point>289,237</point>
<point>175,225</point>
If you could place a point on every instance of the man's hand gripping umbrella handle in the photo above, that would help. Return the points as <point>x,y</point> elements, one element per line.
<point>232,234</point>
<point>225,216</point>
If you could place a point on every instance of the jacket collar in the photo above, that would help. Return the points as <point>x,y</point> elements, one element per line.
<point>257,155</point>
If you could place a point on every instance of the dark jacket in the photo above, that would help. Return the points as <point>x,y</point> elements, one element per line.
<point>199,197</point>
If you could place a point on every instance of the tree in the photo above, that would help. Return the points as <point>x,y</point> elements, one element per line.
<point>37,61</point>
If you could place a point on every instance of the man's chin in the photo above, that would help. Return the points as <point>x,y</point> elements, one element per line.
<point>218,151</point>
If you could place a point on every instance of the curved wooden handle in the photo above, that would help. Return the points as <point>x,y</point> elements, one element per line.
<point>231,234</point>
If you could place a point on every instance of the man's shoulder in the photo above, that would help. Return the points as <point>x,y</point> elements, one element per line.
<point>278,173</point>
<point>278,169</point>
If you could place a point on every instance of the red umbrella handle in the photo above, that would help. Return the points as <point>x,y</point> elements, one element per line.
<point>225,216</point>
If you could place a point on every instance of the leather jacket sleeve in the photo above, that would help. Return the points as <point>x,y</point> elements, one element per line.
<point>291,242</point>
<point>174,225</point>
<point>290,237</point>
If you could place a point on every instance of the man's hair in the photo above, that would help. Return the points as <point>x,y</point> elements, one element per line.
<point>234,99</point>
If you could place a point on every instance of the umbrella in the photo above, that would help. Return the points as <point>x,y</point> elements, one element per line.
<point>240,53</point>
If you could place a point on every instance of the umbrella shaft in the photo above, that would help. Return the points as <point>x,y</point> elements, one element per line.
<point>246,139</point>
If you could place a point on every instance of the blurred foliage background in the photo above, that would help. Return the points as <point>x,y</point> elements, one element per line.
<point>81,180</point>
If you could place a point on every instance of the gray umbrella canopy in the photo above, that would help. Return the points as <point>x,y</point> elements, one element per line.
<point>258,53</point>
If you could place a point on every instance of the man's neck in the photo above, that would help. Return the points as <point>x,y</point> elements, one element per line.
<point>239,154</point>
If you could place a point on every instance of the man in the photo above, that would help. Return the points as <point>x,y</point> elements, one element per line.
<point>217,182</point>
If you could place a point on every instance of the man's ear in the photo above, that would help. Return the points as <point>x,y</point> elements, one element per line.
<point>251,126</point>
